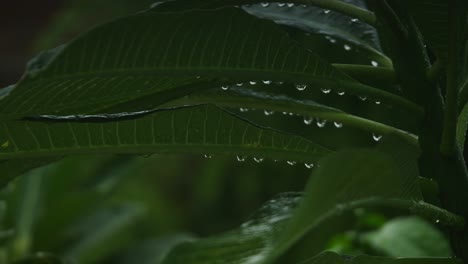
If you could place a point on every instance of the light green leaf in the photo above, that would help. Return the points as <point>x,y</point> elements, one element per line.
<point>409,237</point>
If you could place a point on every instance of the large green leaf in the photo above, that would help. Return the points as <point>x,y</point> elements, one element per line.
<point>126,60</point>
<point>204,129</point>
<point>345,181</point>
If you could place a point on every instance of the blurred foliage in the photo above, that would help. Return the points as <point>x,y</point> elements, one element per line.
<point>115,209</point>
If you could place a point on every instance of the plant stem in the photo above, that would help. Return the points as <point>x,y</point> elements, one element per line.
<point>435,71</point>
<point>448,143</point>
<point>369,73</point>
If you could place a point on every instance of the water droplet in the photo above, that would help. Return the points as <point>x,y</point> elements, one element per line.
<point>268,113</point>
<point>332,40</point>
<point>308,120</point>
<point>198,77</point>
<point>241,158</point>
<point>325,90</point>
<point>437,221</point>
<point>338,124</point>
<point>239,84</point>
<point>374,63</point>
<point>258,160</point>
<point>354,20</point>
<point>291,162</point>
<point>291,114</point>
<point>363,98</point>
<point>252,82</point>
<point>207,156</point>
<point>225,88</point>
<point>281,4</point>
<point>376,137</point>
<point>284,113</point>
<point>290,4</point>
<point>280,83</point>
<point>341,93</point>
<point>309,165</point>
<point>347,47</point>
<point>301,87</point>
<point>265,4</point>
<point>321,123</point>
<point>377,102</point>
<point>243,109</point>
<point>267,82</point>
<point>326,11</point>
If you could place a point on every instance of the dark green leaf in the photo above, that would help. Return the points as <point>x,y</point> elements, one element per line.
<point>201,129</point>
<point>126,60</point>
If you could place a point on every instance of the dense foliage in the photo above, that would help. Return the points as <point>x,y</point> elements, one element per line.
<point>367,96</point>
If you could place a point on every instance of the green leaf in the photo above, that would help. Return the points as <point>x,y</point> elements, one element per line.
<point>345,181</point>
<point>334,28</point>
<point>201,129</point>
<point>42,258</point>
<point>98,235</point>
<point>250,243</point>
<point>409,237</point>
<point>333,258</point>
<point>461,127</point>
<point>127,60</point>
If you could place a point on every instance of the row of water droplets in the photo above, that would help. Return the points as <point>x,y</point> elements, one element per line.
<point>239,158</point>
<point>300,87</point>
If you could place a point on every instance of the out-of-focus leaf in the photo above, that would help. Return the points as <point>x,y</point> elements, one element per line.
<point>248,244</point>
<point>345,181</point>
<point>98,235</point>
<point>154,251</point>
<point>42,258</point>
<point>333,258</point>
<point>409,237</point>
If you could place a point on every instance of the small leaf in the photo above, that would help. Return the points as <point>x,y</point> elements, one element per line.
<point>409,237</point>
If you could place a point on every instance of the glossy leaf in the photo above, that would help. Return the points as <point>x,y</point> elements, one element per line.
<point>316,20</point>
<point>129,60</point>
<point>204,129</point>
